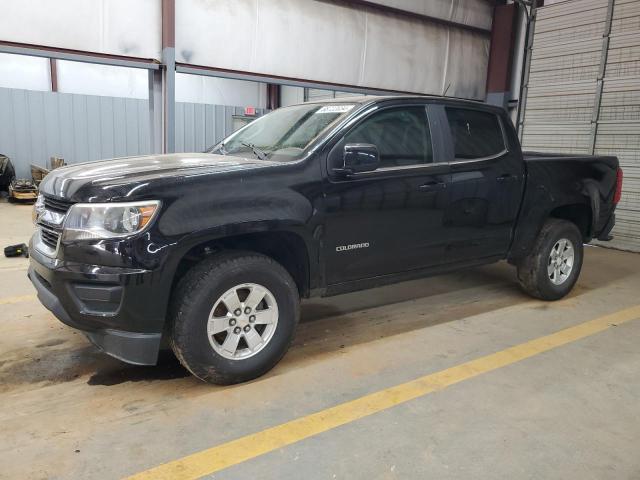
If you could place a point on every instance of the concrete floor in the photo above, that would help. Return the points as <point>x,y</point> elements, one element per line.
<point>67,411</point>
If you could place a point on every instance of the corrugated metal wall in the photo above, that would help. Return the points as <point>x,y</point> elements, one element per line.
<point>312,94</point>
<point>583,92</point>
<point>199,126</point>
<point>618,122</point>
<point>35,126</point>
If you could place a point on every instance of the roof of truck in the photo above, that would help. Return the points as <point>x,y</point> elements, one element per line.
<point>378,98</point>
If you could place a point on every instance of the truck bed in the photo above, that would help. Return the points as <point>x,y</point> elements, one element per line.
<point>610,161</point>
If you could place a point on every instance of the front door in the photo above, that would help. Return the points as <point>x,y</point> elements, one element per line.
<point>390,220</point>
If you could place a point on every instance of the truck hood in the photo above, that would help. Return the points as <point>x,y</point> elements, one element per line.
<point>121,177</point>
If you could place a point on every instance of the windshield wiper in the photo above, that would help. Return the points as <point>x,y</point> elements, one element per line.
<point>256,151</point>
<point>218,147</point>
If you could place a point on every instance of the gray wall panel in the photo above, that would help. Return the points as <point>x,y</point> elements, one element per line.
<point>80,131</point>
<point>7,134</point>
<point>179,133</point>
<point>107,132</point>
<point>35,126</point>
<point>210,134</point>
<point>119,128</point>
<point>224,120</point>
<point>189,144</point>
<point>93,127</point>
<point>66,148</point>
<point>199,126</point>
<point>19,99</point>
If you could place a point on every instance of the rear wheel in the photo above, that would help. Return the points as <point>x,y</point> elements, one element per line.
<point>233,317</point>
<point>552,267</point>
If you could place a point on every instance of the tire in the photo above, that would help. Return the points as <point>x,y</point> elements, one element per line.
<point>534,270</point>
<point>199,295</point>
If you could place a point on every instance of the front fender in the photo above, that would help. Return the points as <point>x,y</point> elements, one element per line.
<point>228,212</point>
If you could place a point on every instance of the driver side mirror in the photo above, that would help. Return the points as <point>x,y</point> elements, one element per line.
<point>359,158</point>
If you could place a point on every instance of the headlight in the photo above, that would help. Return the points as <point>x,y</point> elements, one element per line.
<point>38,208</point>
<point>87,221</point>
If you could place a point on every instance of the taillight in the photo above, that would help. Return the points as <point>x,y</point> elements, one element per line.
<point>618,194</point>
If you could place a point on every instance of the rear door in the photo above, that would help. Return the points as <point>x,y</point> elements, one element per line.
<point>487,180</point>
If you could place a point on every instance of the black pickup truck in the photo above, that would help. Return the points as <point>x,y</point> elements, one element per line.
<point>213,251</point>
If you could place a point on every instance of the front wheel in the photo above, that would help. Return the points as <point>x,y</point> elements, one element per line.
<point>233,317</point>
<point>551,269</point>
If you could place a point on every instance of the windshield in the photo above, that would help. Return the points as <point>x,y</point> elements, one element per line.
<point>282,135</point>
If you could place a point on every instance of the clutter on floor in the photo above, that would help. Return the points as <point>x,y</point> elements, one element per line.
<point>19,250</point>
<point>23,189</point>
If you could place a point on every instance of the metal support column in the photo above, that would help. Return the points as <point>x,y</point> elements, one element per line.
<point>156,140</point>
<point>53,74</point>
<point>169,74</point>
<point>595,116</point>
<point>524,89</point>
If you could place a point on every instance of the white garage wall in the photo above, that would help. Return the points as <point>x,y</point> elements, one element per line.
<point>305,39</point>
<point>326,42</point>
<point>220,91</point>
<point>291,95</point>
<point>469,12</point>
<point>118,27</point>
<point>88,79</point>
<point>32,73</point>
<point>19,71</point>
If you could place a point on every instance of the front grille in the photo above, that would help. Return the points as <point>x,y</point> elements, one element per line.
<point>56,204</point>
<point>49,236</point>
<point>50,222</point>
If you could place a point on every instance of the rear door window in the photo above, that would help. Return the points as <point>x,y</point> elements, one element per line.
<point>475,134</point>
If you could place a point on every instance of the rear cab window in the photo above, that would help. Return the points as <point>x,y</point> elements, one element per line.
<point>474,133</point>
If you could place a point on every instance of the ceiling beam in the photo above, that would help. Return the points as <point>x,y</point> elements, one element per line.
<point>385,9</point>
<point>77,55</point>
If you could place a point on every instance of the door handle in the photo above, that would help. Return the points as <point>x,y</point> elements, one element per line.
<point>506,178</point>
<point>432,186</point>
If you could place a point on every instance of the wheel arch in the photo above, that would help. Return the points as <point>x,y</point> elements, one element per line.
<point>579,214</point>
<point>288,247</point>
<point>578,209</point>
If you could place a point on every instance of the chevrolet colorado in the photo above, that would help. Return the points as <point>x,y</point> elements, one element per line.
<point>213,251</point>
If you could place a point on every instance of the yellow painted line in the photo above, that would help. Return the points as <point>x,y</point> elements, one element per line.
<point>18,299</point>
<point>237,451</point>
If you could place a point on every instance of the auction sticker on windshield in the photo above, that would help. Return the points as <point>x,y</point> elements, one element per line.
<point>335,109</point>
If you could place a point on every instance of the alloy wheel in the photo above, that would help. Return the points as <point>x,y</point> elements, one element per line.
<point>561,261</point>
<point>242,321</point>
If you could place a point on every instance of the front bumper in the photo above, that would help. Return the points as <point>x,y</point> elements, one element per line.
<point>114,307</point>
